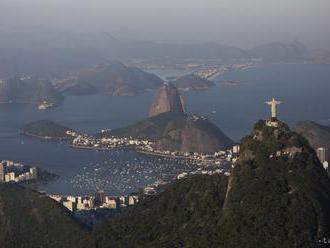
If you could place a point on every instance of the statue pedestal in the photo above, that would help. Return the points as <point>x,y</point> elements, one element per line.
<point>272,122</point>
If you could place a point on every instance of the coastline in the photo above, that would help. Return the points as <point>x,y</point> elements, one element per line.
<point>99,148</point>
<point>170,156</point>
<point>21,132</point>
<point>145,153</point>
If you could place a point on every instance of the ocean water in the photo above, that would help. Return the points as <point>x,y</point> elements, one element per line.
<point>304,90</point>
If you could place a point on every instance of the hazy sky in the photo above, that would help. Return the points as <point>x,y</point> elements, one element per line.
<point>237,22</point>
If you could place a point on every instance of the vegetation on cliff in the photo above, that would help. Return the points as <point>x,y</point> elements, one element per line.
<point>177,132</point>
<point>186,214</point>
<point>28,219</point>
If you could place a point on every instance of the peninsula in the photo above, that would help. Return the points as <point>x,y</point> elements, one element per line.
<point>170,128</point>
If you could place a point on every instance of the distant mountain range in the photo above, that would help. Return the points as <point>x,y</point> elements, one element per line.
<point>267,53</point>
<point>149,50</point>
<point>279,52</point>
<point>61,53</point>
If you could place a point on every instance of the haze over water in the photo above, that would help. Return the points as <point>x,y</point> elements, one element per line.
<point>304,90</point>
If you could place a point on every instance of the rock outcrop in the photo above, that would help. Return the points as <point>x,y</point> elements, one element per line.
<point>167,99</point>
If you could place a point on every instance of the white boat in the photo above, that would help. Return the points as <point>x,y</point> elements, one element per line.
<point>45,105</point>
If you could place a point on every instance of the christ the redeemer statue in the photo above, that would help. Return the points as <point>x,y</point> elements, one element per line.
<point>273,104</point>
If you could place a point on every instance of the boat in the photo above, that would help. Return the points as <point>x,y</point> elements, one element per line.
<point>45,105</point>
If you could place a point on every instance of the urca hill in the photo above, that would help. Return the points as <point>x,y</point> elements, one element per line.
<point>169,127</point>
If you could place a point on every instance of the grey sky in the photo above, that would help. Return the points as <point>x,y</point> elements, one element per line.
<point>238,22</point>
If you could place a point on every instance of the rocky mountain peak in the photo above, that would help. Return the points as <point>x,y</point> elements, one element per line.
<point>167,99</point>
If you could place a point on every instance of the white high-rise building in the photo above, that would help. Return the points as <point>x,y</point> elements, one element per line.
<point>72,206</point>
<point>236,149</point>
<point>10,177</point>
<point>322,154</point>
<point>2,172</point>
<point>33,172</point>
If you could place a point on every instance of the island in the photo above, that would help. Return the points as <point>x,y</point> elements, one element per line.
<point>46,129</point>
